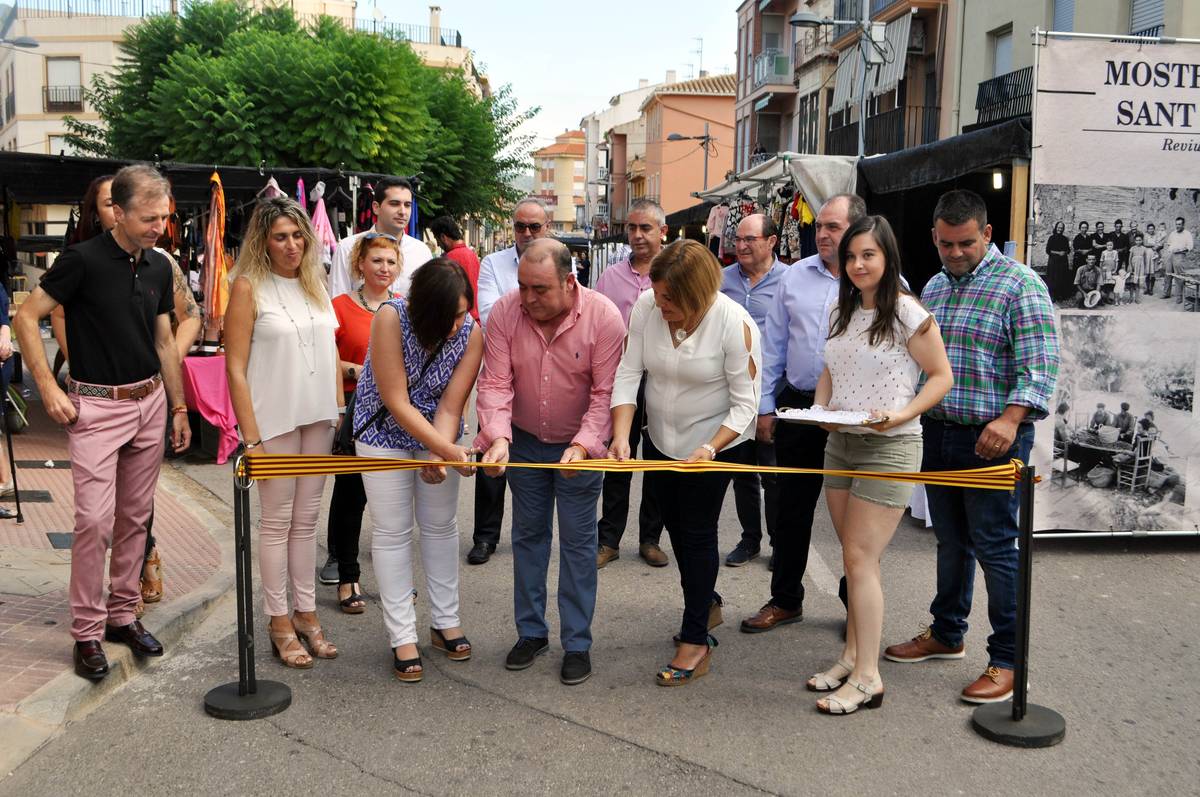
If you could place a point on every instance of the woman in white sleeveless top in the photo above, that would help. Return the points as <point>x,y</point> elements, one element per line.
<point>286,388</point>
<point>880,340</point>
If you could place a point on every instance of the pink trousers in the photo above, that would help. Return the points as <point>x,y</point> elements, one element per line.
<point>287,527</point>
<point>116,450</point>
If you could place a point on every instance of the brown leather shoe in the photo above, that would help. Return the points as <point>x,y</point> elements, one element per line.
<point>653,555</point>
<point>770,616</point>
<point>921,648</point>
<point>605,555</point>
<point>90,661</point>
<point>994,686</point>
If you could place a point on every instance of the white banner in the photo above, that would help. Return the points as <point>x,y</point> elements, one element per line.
<point>1113,113</point>
<point>1116,207</point>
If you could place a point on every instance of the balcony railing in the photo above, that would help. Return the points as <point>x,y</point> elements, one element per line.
<point>417,34</point>
<point>890,131</point>
<point>760,157</point>
<point>812,44</point>
<point>772,67</point>
<point>1151,33</point>
<point>1005,97</point>
<point>62,99</point>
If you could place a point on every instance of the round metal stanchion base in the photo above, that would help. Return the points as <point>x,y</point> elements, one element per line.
<point>1041,727</point>
<point>224,702</point>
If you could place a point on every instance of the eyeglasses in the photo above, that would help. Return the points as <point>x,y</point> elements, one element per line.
<point>371,236</point>
<point>747,239</point>
<point>521,227</point>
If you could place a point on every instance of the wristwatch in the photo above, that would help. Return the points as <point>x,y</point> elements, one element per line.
<point>352,373</point>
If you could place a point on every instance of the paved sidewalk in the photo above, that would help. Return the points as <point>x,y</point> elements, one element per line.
<point>39,691</point>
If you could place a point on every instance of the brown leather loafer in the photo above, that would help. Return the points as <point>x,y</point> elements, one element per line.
<point>770,616</point>
<point>994,686</point>
<point>136,637</point>
<point>923,647</point>
<point>653,555</point>
<point>605,555</point>
<point>90,661</point>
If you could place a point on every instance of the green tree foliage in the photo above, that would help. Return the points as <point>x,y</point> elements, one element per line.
<point>224,84</point>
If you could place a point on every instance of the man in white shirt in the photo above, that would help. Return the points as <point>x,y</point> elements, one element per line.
<point>498,271</point>
<point>393,208</point>
<point>497,276</point>
<point>1175,251</point>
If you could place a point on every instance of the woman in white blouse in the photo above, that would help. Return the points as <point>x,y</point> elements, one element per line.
<point>880,340</point>
<point>286,387</point>
<point>699,350</point>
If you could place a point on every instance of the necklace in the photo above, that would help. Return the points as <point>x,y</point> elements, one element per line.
<point>682,333</point>
<point>312,327</point>
<point>363,299</point>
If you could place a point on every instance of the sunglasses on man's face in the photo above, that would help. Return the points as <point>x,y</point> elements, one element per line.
<point>521,227</point>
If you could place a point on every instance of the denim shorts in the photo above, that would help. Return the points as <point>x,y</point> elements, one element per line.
<point>873,452</point>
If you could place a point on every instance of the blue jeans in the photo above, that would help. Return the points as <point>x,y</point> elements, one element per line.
<point>973,525</point>
<point>535,494</point>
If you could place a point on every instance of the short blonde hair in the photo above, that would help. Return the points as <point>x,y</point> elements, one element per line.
<point>691,272</point>
<point>363,245</point>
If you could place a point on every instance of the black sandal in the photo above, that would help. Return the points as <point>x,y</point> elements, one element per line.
<point>347,604</point>
<point>451,647</point>
<point>403,673</point>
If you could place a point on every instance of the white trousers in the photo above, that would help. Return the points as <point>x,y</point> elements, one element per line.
<point>397,499</point>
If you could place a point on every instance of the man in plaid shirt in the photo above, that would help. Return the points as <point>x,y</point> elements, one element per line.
<point>997,321</point>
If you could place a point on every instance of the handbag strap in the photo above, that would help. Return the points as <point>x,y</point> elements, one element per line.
<point>379,413</point>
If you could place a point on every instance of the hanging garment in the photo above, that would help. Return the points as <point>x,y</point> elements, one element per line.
<point>13,218</point>
<point>72,222</point>
<point>322,226</point>
<point>365,218</point>
<point>414,221</point>
<point>271,190</point>
<point>216,263</point>
<point>300,194</point>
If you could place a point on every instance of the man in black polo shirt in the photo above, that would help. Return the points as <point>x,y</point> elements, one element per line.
<point>117,294</point>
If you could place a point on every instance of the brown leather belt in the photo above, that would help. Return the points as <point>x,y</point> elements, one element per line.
<point>138,391</point>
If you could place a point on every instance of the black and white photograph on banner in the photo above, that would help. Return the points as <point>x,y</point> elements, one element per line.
<point>1123,425</point>
<point>1112,248</point>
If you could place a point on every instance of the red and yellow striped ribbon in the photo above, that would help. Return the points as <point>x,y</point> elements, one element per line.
<point>286,466</point>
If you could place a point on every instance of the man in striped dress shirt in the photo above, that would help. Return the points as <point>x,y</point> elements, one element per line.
<point>997,321</point>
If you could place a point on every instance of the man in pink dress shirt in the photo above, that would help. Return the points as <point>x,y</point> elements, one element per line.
<point>550,358</point>
<point>623,282</point>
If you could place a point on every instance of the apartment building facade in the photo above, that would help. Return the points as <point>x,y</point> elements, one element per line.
<point>618,130</point>
<point>677,117</point>
<point>559,178</point>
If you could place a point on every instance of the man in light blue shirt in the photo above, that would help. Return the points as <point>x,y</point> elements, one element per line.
<point>497,276</point>
<point>793,345</point>
<point>752,282</point>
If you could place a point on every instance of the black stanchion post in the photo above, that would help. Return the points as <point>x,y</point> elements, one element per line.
<point>1015,722</point>
<point>249,698</point>
<point>12,460</point>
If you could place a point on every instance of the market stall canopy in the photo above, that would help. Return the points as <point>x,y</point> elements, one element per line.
<point>818,177</point>
<point>62,179</point>
<point>948,159</point>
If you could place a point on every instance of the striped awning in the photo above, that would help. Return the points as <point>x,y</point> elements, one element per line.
<point>895,54</point>
<point>848,83</point>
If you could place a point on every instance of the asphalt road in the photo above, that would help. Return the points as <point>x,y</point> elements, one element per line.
<point>1114,649</point>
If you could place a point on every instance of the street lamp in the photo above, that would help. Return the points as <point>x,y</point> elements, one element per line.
<point>704,142</point>
<point>27,42</point>
<point>869,48</point>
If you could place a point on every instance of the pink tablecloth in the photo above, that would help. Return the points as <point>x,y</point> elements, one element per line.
<point>206,390</point>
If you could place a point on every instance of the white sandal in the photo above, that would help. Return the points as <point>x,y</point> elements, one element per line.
<point>831,679</point>
<point>867,696</point>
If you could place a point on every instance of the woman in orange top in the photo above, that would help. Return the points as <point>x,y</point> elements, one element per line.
<point>376,260</point>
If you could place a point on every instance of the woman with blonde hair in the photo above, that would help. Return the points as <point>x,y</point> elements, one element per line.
<point>699,350</point>
<point>284,380</point>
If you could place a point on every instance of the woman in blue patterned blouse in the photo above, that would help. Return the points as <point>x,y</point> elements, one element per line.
<point>422,362</point>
